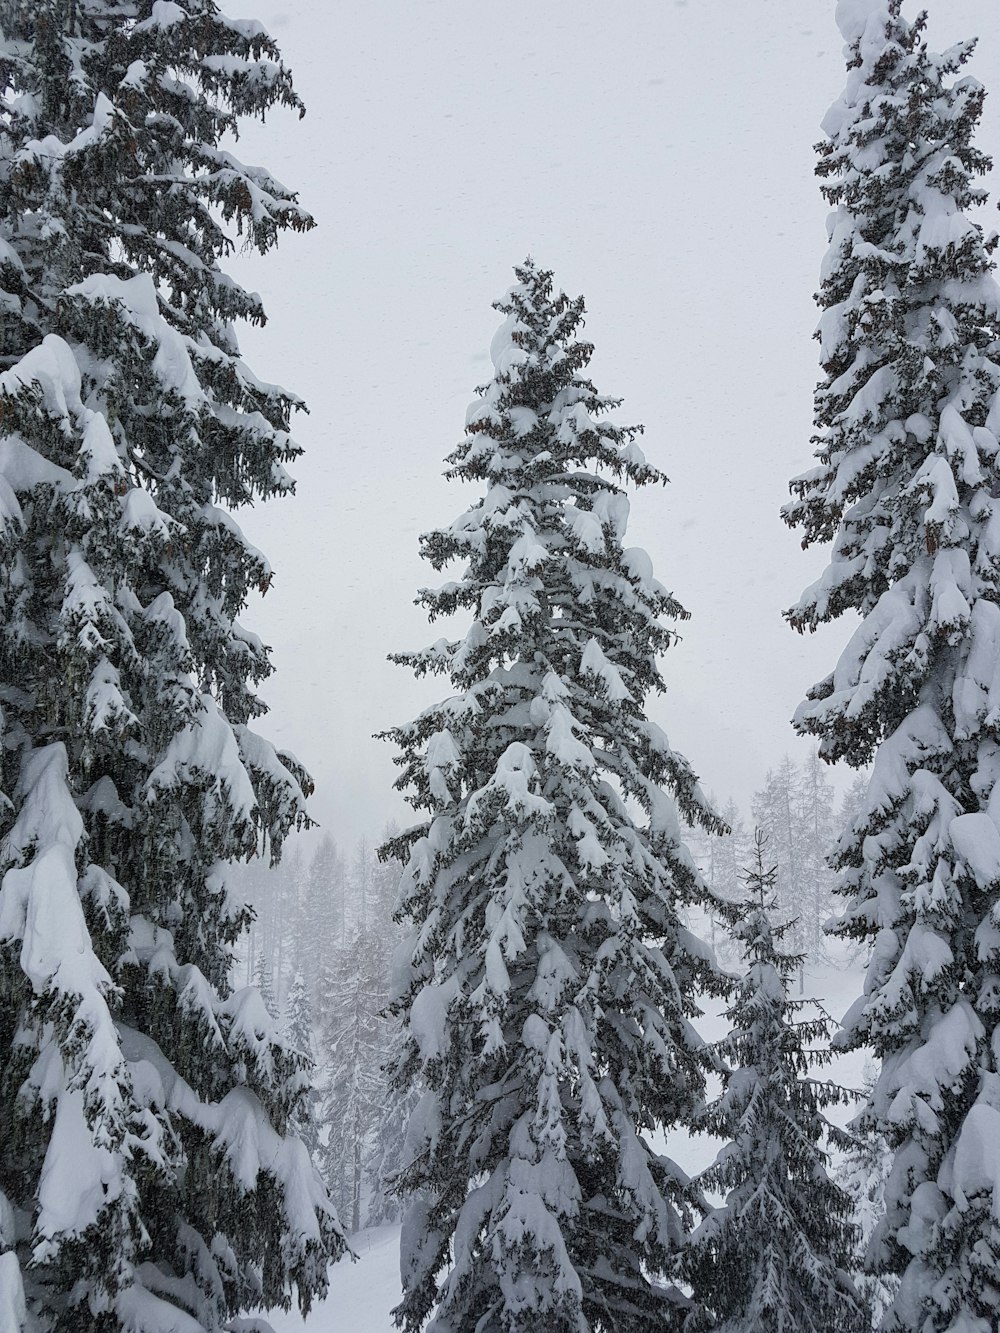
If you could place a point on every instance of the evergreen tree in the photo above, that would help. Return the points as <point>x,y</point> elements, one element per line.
<point>862,1174</point>
<point>385,1155</point>
<point>262,974</point>
<point>299,1037</point>
<point>775,1257</point>
<point>908,418</point>
<point>146,1152</point>
<point>853,804</point>
<point>777,813</point>
<point>352,1101</point>
<point>718,858</point>
<point>322,916</point>
<point>851,812</point>
<point>816,812</point>
<point>360,884</point>
<point>551,985</point>
<point>284,918</point>
<point>387,1152</point>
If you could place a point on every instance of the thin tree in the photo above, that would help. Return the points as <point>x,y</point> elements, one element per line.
<point>862,1173</point>
<point>905,487</point>
<point>321,921</point>
<point>263,974</point>
<point>386,1149</point>
<point>551,987</point>
<point>146,1149</point>
<point>777,812</point>
<point>720,858</point>
<point>817,806</point>
<point>352,1099</point>
<point>776,1256</point>
<point>300,1036</point>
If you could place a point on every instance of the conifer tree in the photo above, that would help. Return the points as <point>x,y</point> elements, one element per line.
<point>777,812</point>
<point>853,803</point>
<point>862,1173</point>
<point>352,1101</point>
<point>776,1256</point>
<point>720,858</point>
<point>908,419</point>
<point>146,1155</point>
<point>322,915</point>
<point>300,1038</point>
<point>359,1116</point>
<point>551,985</point>
<point>816,811</point>
<point>262,979</point>
<point>386,1149</point>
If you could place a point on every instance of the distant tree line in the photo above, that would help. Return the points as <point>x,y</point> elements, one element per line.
<point>320,951</point>
<point>798,811</point>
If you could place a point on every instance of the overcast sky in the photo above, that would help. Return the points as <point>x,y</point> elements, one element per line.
<point>658,155</point>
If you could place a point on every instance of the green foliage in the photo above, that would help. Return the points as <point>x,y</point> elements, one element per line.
<point>147,1154</point>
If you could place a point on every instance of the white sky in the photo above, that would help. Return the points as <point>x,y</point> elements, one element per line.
<point>657,154</point>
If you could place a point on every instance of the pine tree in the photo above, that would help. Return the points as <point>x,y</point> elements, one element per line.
<point>387,1152</point>
<point>284,918</point>
<point>320,928</point>
<point>385,1155</point>
<point>262,979</point>
<point>775,1257</point>
<point>352,1101</point>
<point>908,418</point>
<point>720,858</point>
<point>357,1107</point>
<point>299,1037</point>
<point>816,806</point>
<point>862,1173</point>
<point>728,856</point>
<point>854,803</point>
<point>146,1152</point>
<point>778,814</point>
<point>551,983</point>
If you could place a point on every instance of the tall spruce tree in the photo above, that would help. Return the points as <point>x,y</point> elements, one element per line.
<point>551,984</point>
<point>908,418</point>
<point>776,1257</point>
<point>146,1160</point>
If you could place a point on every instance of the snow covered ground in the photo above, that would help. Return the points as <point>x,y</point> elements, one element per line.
<point>363,1293</point>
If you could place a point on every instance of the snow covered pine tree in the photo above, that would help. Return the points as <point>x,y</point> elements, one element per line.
<point>551,982</point>
<point>776,1256</point>
<point>862,1172</point>
<point>299,1036</point>
<point>148,1177</point>
<point>909,471</point>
